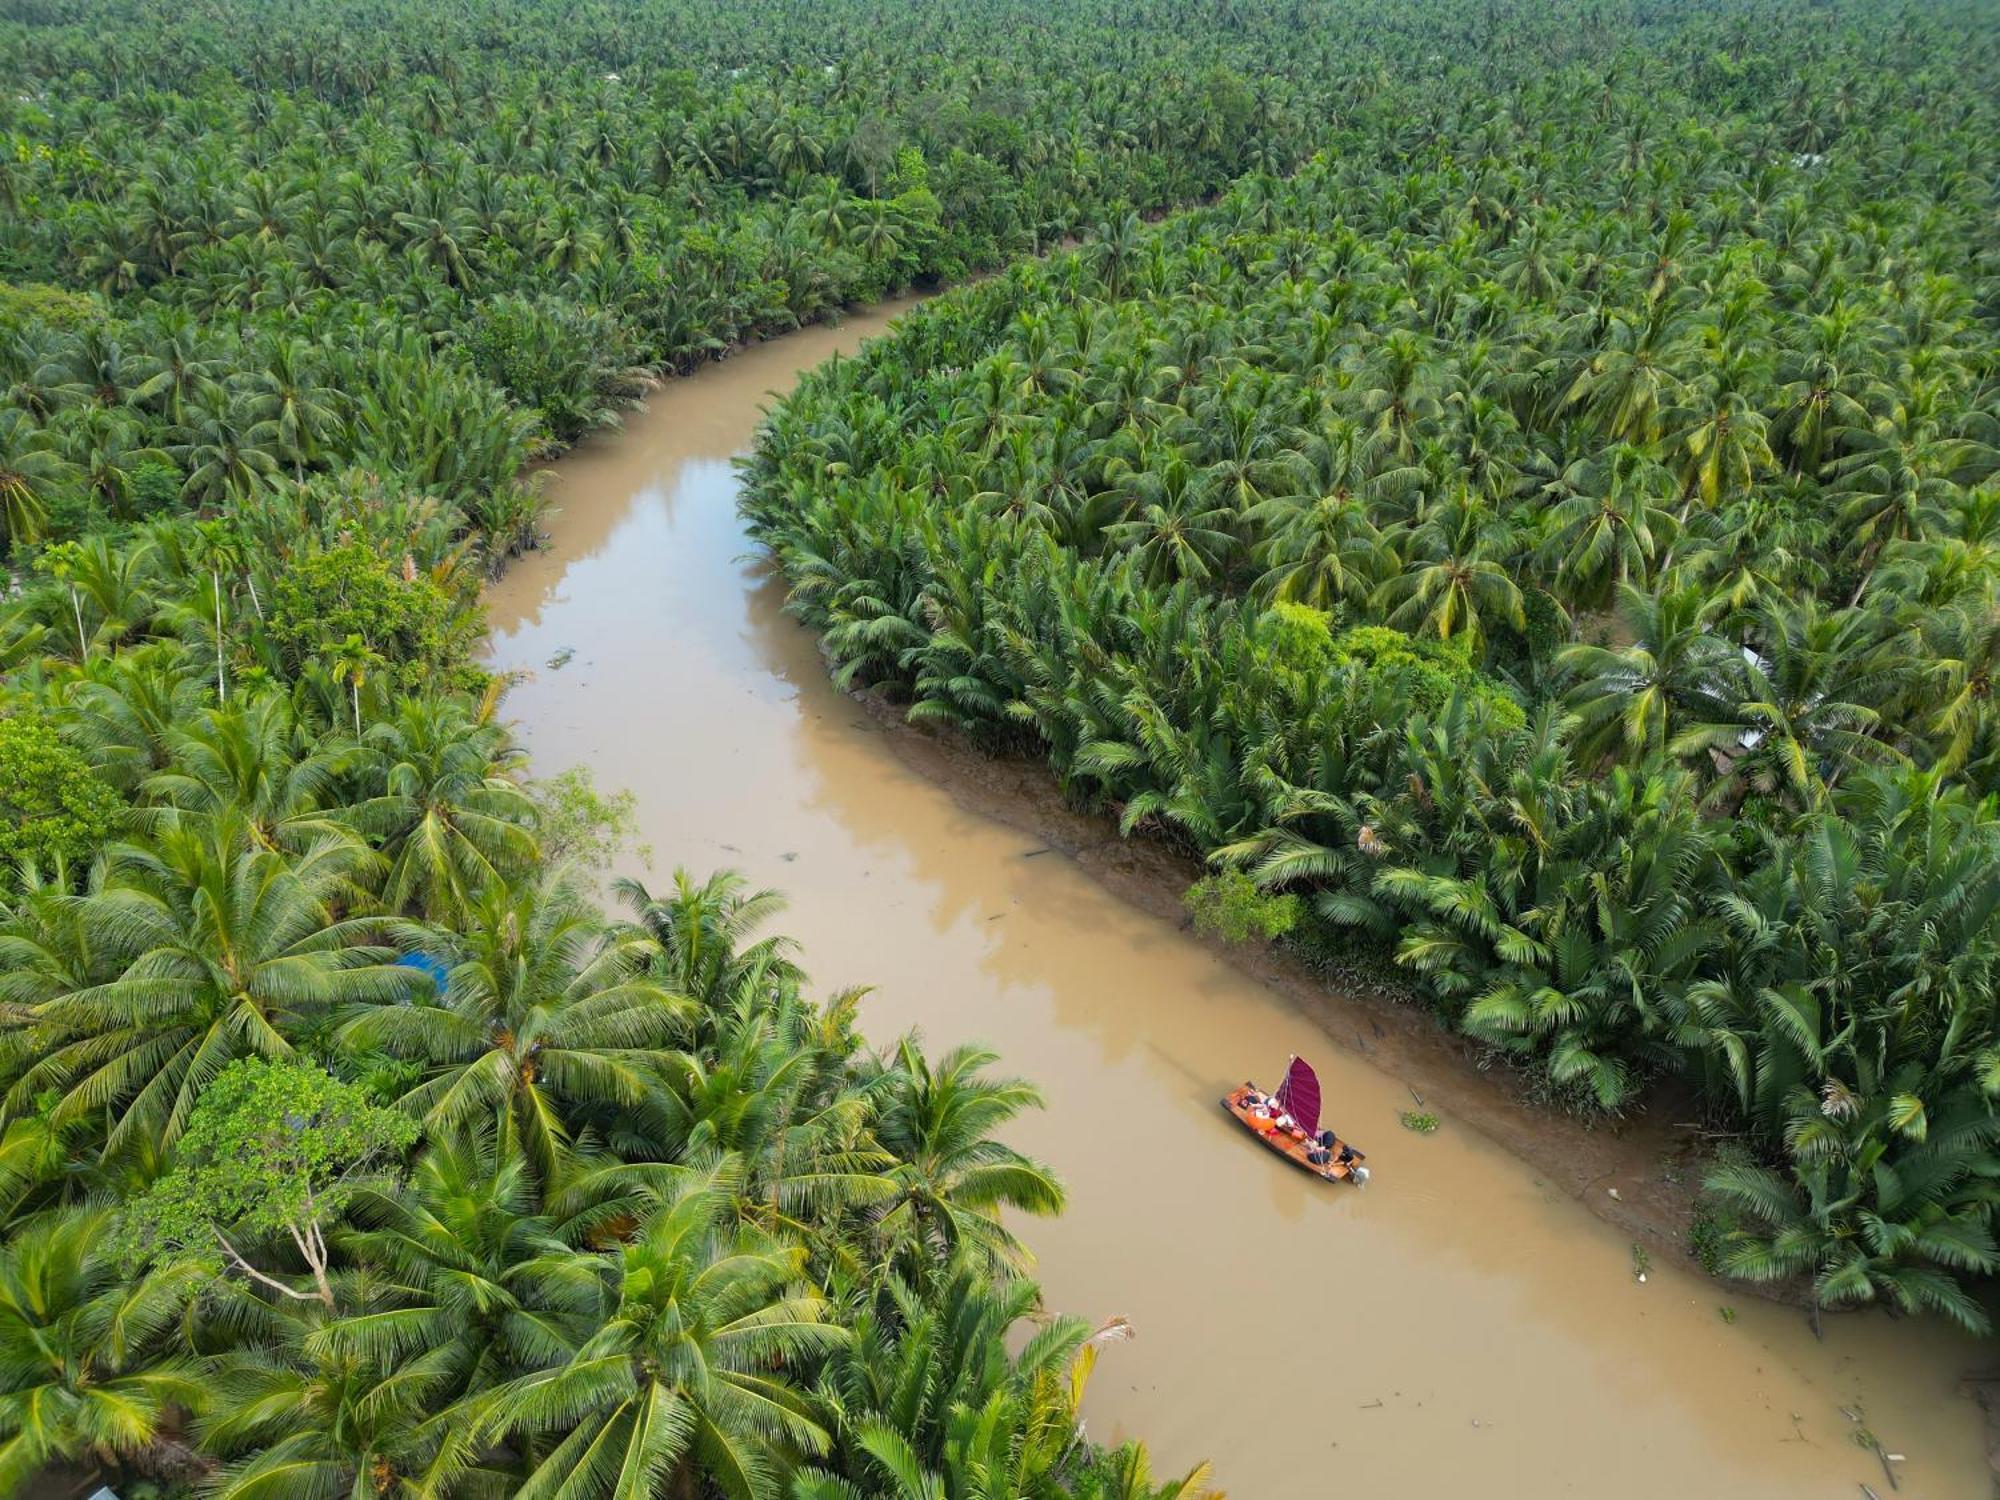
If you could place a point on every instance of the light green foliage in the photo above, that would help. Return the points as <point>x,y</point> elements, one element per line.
<point>38,303</point>
<point>271,1147</point>
<point>1423,1122</point>
<point>580,826</point>
<point>54,810</point>
<point>1428,671</point>
<point>1229,906</point>
<point>1297,638</point>
<point>273,1154</point>
<point>352,593</point>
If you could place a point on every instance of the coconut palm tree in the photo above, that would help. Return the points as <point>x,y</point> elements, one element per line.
<point>32,473</point>
<point>251,760</point>
<point>546,1020</point>
<point>223,948</point>
<point>702,934</point>
<point>440,801</point>
<point>88,1371</point>
<point>1452,582</point>
<point>1608,523</point>
<point>229,451</point>
<point>685,1382</point>
<point>1670,688</point>
<point>951,1176</point>
<point>473,1268</point>
<point>296,1411</point>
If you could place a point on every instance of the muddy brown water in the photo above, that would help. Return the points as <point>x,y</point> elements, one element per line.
<point>1460,1327</point>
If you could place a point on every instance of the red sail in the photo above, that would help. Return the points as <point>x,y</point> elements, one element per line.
<point>1298,1095</point>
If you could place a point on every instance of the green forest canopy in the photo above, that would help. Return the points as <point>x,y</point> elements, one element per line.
<point>1537,518</point>
<point>1554,534</point>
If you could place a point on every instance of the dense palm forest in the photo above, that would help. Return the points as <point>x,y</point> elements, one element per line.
<point>351,1143</point>
<point>1548,543</point>
<point>438,244</point>
<point>1535,522</point>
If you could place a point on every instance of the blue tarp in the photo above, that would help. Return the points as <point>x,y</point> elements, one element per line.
<point>431,967</point>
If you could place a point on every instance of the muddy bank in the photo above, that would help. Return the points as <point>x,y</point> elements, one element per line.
<point>1639,1174</point>
<point>1462,1327</point>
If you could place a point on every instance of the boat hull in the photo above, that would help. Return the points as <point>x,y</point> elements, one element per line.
<point>1292,1144</point>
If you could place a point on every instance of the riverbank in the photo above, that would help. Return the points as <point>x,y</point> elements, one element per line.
<point>1467,1327</point>
<point>1640,1173</point>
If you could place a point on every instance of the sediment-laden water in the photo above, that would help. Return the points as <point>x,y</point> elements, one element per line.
<point>1462,1327</point>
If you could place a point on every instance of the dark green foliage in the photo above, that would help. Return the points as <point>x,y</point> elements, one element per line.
<point>567,364</point>
<point>1542,538</point>
<point>507,1193</point>
<point>420,239</point>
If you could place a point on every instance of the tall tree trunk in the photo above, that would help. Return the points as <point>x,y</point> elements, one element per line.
<point>221,687</point>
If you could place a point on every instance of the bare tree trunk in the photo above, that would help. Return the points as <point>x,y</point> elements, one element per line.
<point>261,1279</point>
<point>221,688</point>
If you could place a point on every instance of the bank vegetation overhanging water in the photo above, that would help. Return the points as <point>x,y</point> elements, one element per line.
<point>1579,596</point>
<point>1480,1290</point>
<point>285,323</point>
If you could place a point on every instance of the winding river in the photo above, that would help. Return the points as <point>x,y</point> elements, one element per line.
<point>1462,1327</point>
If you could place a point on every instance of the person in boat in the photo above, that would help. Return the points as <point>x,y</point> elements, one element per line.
<point>1320,1152</point>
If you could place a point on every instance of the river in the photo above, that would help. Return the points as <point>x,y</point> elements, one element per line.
<point>1460,1327</point>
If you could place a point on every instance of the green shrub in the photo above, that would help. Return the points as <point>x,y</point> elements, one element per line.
<point>54,810</point>
<point>1431,671</point>
<point>1296,636</point>
<point>53,306</point>
<point>410,622</point>
<point>568,363</point>
<point>1230,906</point>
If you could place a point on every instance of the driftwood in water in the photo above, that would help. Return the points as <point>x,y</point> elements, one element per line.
<point>1888,1468</point>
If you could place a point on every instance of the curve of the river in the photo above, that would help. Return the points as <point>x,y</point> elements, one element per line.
<point>1458,1328</point>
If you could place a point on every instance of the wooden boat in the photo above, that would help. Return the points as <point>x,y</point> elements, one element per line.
<point>1288,1122</point>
